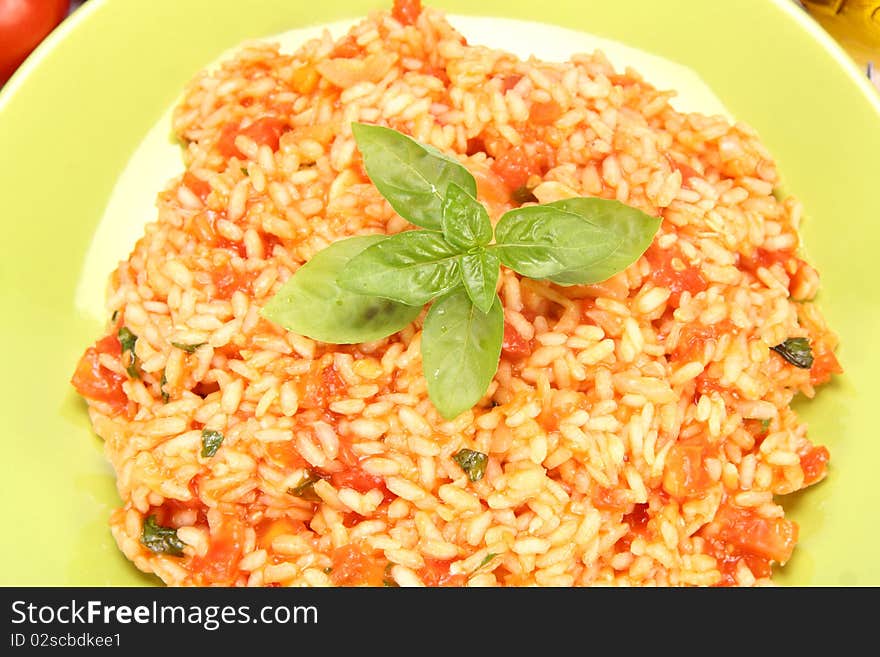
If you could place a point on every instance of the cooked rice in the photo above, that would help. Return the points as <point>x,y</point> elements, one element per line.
<point>638,431</point>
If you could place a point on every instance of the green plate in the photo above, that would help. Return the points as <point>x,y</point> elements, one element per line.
<point>73,114</point>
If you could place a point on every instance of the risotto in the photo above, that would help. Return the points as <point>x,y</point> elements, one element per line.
<point>637,431</point>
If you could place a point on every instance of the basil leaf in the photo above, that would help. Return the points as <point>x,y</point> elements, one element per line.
<point>460,350</point>
<point>412,177</point>
<point>575,241</point>
<point>486,560</point>
<point>311,303</point>
<point>211,441</point>
<point>479,273</point>
<point>127,340</point>
<point>796,351</point>
<point>305,489</point>
<point>474,465</point>
<point>161,540</point>
<point>188,348</point>
<point>628,229</point>
<point>465,220</point>
<point>412,267</point>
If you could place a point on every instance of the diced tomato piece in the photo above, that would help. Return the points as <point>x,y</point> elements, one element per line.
<point>508,82</point>
<point>303,80</point>
<point>671,270</point>
<point>825,364</point>
<point>545,113</point>
<point>475,145</point>
<point>320,387</point>
<point>351,567</point>
<point>684,474</point>
<point>406,12</point>
<point>513,167</point>
<point>694,337</point>
<point>286,454</point>
<point>269,528</point>
<point>219,565</point>
<point>348,47</point>
<point>356,478</point>
<point>743,528</point>
<point>196,185</point>
<point>514,345</point>
<point>638,518</point>
<point>436,573</point>
<point>94,381</point>
<point>814,463</point>
<point>266,130</point>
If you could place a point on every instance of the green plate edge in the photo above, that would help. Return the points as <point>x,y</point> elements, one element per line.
<point>76,109</point>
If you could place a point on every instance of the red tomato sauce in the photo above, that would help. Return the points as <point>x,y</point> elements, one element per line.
<point>610,499</point>
<point>219,565</point>
<point>94,381</point>
<point>227,280</point>
<point>196,185</point>
<point>516,164</point>
<point>694,338</point>
<point>266,130</point>
<point>671,270</point>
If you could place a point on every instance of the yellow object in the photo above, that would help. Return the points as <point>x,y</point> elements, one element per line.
<point>854,23</point>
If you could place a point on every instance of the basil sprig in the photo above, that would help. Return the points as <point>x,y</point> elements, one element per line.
<point>365,288</point>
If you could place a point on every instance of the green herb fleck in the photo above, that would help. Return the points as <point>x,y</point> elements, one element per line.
<point>765,425</point>
<point>162,382</point>
<point>366,288</point>
<point>128,339</point>
<point>305,489</point>
<point>523,195</point>
<point>188,348</point>
<point>211,441</point>
<point>387,579</point>
<point>161,540</point>
<point>114,316</point>
<point>473,463</point>
<point>796,351</point>
<point>486,560</point>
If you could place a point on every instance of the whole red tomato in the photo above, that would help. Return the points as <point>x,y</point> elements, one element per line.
<point>23,24</point>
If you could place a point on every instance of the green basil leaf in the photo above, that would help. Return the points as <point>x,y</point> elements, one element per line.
<point>127,340</point>
<point>311,303</point>
<point>575,241</point>
<point>474,464</point>
<point>188,348</point>
<point>211,441</point>
<point>161,540</point>
<point>412,267</point>
<point>460,350</point>
<point>796,351</point>
<point>488,558</point>
<point>479,273</point>
<point>629,232</point>
<point>412,177</point>
<point>465,220</point>
<point>305,489</point>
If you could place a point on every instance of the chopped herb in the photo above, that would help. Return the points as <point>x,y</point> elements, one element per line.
<point>114,315</point>
<point>765,425</point>
<point>128,339</point>
<point>486,560</point>
<point>161,540</point>
<point>162,382</point>
<point>473,463</point>
<point>796,351</point>
<point>211,441</point>
<point>244,171</point>
<point>328,570</point>
<point>305,489</point>
<point>366,288</point>
<point>523,195</point>
<point>188,348</point>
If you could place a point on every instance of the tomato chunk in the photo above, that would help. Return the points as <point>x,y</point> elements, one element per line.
<point>351,567</point>
<point>771,538</point>
<point>684,474</point>
<point>516,164</point>
<point>219,565</point>
<point>406,12</point>
<point>227,280</point>
<point>514,345</point>
<point>358,479</point>
<point>94,381</point>
<point>694,338</point>
<point>545,113</point>
<point>814,463</point>
<point>436,573</point>
<point>825,364</point>
<point>196,185</point>
<point>671,270</point>
<point>266,131</point>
